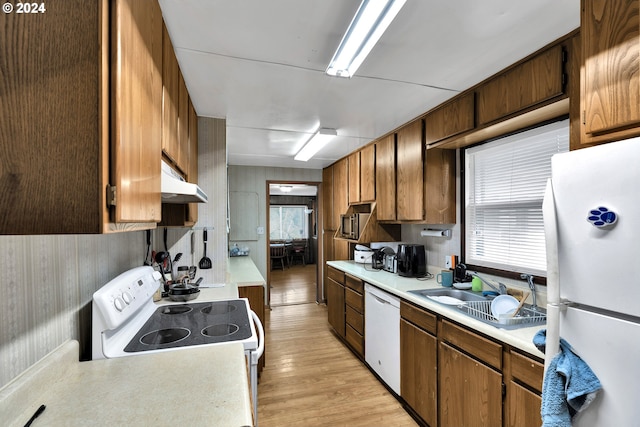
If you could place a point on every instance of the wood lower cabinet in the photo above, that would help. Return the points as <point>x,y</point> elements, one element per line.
<point>610,98</point>
<point>470,393</point>
<point>469,378</point>
<point>334,291</point>
<point>354,314</point>
<point>255,295</point>
<point>419,361</point>
<point>524,389</point>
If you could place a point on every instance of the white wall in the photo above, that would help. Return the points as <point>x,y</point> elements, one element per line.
<point>254,179</point>
<point>47,283</point>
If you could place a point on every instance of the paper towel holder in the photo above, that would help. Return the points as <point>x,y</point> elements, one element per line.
<point>429,232</point>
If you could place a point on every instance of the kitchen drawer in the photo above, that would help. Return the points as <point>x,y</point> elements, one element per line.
<point>354,299</point>
<point>480,347</point>
<point>527,370</point>
<point>355,320</point>
<point>354,283</point>
<point>418,317</point>
<point>355,340</point>
<point>335,274</point>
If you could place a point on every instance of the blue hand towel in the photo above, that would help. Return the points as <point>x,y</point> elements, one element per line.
<point>569,385</point>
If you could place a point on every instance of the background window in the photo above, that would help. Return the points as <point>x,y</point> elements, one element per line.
<point>504,186</point>
<point>288,222</point>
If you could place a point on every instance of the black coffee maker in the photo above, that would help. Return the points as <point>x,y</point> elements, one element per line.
<point>412,260</point>
<point>460,274</point>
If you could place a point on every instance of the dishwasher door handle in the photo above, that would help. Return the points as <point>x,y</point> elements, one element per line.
<point>380,300</point>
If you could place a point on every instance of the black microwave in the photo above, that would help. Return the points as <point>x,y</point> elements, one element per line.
<point>352,225</point>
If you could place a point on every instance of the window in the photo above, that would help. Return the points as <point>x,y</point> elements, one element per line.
<point>288,222</point>
<point>505,181</point>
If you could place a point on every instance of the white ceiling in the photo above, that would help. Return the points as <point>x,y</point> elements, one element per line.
<point>260,65</point>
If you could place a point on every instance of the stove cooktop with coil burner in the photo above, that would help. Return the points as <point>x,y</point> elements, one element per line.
<point>173,326</point>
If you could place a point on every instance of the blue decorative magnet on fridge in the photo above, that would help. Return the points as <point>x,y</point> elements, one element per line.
<point>602,217</point>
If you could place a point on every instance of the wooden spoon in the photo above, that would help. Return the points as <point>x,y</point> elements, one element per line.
<point>524,298</point>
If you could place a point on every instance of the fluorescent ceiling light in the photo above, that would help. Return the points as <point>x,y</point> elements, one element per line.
<point>286,188</point>
<point>317,141</point>
<point>370,22</point>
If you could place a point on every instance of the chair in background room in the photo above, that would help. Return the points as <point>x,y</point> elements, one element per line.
<point>299,251</point>
<point>278,253</point>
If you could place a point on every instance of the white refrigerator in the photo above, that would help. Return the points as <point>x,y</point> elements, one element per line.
<point>591,215</point>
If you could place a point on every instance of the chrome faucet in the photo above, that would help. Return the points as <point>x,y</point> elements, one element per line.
<point>532,286</point>
<point>501,289</point>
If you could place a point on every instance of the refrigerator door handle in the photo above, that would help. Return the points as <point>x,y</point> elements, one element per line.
<point>551,242</point>
<point>563,305</point>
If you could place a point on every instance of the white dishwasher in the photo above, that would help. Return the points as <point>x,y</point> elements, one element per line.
<point>382,335</point>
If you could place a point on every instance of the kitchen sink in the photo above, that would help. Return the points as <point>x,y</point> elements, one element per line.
<point>479,307</point>
<point>459,294</point>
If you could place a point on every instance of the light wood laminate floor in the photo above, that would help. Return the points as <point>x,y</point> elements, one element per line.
<point>293,285</point>
<point>312,379</point>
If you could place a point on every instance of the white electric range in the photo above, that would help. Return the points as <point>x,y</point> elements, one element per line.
<point>127,322</point>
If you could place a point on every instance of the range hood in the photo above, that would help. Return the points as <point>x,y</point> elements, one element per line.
<point>176,190</point>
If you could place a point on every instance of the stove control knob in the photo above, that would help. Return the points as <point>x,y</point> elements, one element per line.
<point>127,298</point>
<point>119,304</point>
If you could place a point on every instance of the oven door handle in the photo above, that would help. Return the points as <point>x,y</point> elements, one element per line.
<point>256,355</point>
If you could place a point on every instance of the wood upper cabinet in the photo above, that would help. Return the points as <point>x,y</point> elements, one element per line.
<point>183,126</point>
<point>611,69</point>
<point>531,82</point>
<point>386,178</point>
<point>192,174</point>
<point>78,118</point>
<point>136,104</point>
<point>328,220</point>
<point>170,100</point>
<point>451,119</point>
<point>354,177</point>
<point>409,172</point>
<point>440,186</point>
<point>340,189</point>
<point>362,178</point>
<point>368,173</point>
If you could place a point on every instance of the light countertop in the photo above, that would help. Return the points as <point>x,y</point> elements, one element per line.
<point>242,271</point>
<point>195,387</point>
<point>398,285</point>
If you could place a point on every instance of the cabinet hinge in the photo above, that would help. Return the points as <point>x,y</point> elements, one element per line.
<point>584,117</point>
<point>504,389</point>
<point>111,195</point>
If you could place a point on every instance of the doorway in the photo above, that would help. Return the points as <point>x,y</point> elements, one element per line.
<point>293,217</point>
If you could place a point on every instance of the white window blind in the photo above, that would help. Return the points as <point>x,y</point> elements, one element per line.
<point>504,186</point>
